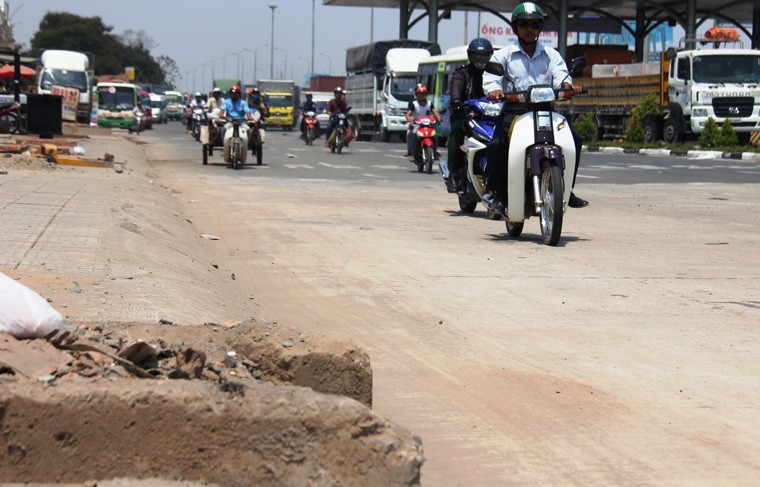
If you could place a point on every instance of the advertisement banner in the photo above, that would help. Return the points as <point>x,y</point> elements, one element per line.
<point>70,98</point>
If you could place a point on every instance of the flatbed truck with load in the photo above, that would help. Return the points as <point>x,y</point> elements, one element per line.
<point>691,87</point>
<point>380,80</point>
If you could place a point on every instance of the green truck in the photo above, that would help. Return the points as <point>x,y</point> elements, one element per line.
<point>224,84</point>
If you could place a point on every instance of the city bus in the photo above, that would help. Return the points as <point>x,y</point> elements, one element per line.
<point>435,73</point>
<point>116,102</point>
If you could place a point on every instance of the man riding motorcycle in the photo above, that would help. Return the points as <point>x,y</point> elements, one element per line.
<point>307,106</point>
<point>416,109</point>
<point>334,107</point>
<point>235,107</point>
<point>255,100</point>
<point>466,84</point>
<point>197,101</point>
<point>526,62</point>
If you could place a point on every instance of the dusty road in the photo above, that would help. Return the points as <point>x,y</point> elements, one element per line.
<point>628,355</point>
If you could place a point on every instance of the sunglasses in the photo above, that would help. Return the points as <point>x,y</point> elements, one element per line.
<point>532,24</point>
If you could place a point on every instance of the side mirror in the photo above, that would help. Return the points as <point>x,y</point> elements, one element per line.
<point>493,67</point>
<point>670,53</point>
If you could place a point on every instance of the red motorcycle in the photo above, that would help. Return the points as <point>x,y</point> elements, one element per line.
<point>426,136</point>
<point>312,126</point>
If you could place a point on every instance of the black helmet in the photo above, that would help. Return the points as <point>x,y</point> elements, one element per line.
<point>479,52</point>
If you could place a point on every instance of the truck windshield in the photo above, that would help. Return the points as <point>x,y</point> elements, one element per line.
<point>727,69</point>
<point>62,77</point>
<point>402,87</point>
<point>116,98</point>
<point>278,100</point>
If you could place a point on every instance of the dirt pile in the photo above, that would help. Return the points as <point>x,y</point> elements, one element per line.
<point>195,403</point>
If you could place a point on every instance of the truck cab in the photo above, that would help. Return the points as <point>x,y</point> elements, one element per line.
<point>722,84</point>
<point>67,69</point>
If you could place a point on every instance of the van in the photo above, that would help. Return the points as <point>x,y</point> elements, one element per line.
<point>158,108</point>
<point>321,98</point>
<point>116,104</point>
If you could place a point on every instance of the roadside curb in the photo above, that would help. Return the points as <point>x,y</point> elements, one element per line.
<point>692,154</point>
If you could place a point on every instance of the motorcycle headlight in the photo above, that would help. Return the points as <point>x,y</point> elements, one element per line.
<point>490,109</point>
<point>542,94</point>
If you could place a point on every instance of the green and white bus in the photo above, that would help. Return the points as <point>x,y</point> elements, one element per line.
<point>435,73</point>
<point>116,103</point>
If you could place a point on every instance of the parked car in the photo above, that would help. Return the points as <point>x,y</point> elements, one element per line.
<point>158,107</point>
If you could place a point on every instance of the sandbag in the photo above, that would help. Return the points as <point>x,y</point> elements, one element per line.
<point>24,313</point>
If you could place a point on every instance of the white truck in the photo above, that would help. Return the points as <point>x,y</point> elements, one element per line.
<point>68,70</point>
<point>380,81</point>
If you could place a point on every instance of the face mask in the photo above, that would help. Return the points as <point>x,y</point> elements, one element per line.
<point>480,66</point>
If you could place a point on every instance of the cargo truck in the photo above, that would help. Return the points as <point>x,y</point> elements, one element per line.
<point>282,99</point>
<point>380,80</point>
<point>691,86</point>
<point>67,73</point>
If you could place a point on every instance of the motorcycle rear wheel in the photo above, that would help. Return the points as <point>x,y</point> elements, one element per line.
<point>259,154</point>
<point>204,149</point>
<point>551,206</point>
<point>428,158</point>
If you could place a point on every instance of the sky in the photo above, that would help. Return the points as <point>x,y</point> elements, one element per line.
<point>184,31</point>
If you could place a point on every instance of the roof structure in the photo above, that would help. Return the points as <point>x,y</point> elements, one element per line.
<point>647,14</point>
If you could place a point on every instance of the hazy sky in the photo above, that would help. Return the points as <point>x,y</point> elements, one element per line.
<point>206,36</point>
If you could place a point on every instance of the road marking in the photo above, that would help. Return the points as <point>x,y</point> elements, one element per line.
<point>371,175</point>
<point>298,166</point>
<point>338,166</point>
<point>394,168</point>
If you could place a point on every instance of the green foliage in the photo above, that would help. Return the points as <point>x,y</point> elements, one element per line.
<point>646,108</point>
<point>585,127</point>
<point>710,134</point>
<point>110,53</point>
<point>728,136</point>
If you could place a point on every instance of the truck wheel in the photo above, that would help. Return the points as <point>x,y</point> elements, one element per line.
<point>651,130</point>
<point>671,132</point>
<point>386,135</point>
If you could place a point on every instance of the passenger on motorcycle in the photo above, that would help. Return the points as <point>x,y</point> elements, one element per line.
<point>466,84</point>
<point>255,100</point>
<point>307,106</point>
<point>334,107</point>
<point>214,105</point>
<point>526,62</point>
<point>416,109</point>
<point>235,107</point>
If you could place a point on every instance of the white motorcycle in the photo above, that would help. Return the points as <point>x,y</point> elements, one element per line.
<point>540,162</point>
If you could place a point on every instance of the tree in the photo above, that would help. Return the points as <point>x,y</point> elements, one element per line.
<point>111,53</point>
<point>171,71</point>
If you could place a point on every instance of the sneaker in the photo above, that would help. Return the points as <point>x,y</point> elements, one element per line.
<point>495,206</point>
<point>575,202</point>
<point>406,153</point>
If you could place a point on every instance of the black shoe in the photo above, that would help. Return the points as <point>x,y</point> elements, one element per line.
<point>575,202</point>
<point>452,184</point>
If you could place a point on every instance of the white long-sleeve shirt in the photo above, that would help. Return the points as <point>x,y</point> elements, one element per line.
<point>545,67</point>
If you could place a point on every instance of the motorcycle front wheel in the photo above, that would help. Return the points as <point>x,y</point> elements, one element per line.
<point>551,206</point>
<point>237,155</point>
<point>466,204</point>
<point>204,149</point>
<point>428,157</point>
<point>339,143</point>
<point>310,136</point>
<point>259,154</point>
<point>514,229</point>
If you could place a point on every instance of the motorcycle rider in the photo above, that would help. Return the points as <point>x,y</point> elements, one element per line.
<point>235,107</point>
<point>418,108</point>
<point>255,100</point>
<point>466,84</point>
<point>526,62</point>
<point>197,101</point>
<point>139,113</point>
<point>334,107</point>
<point>309,105</point>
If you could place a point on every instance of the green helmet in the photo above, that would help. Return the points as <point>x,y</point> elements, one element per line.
<point>527,10</point>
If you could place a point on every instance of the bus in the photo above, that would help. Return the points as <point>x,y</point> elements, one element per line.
<point>116,102</point>
<point>435,73</point>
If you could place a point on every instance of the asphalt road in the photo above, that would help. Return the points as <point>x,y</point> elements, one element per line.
<point>628,354</point>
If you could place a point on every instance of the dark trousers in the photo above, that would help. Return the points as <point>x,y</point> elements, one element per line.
<point>498,149</point>
<point>456,160</point>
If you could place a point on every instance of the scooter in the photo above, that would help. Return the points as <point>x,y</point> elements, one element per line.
<point>11,119</point>
<point>198,120</point>
<point>426,135</point>
<point>236,142</point>
<point>540,162</point>
<point>312,125</point>
<point>138,123</point>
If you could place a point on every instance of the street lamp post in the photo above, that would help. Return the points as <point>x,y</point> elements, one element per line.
<point>256,60</point>
<point>307,68</point>
<point>285,63</point>
<point>329,59</point>
<point>271,54</point>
